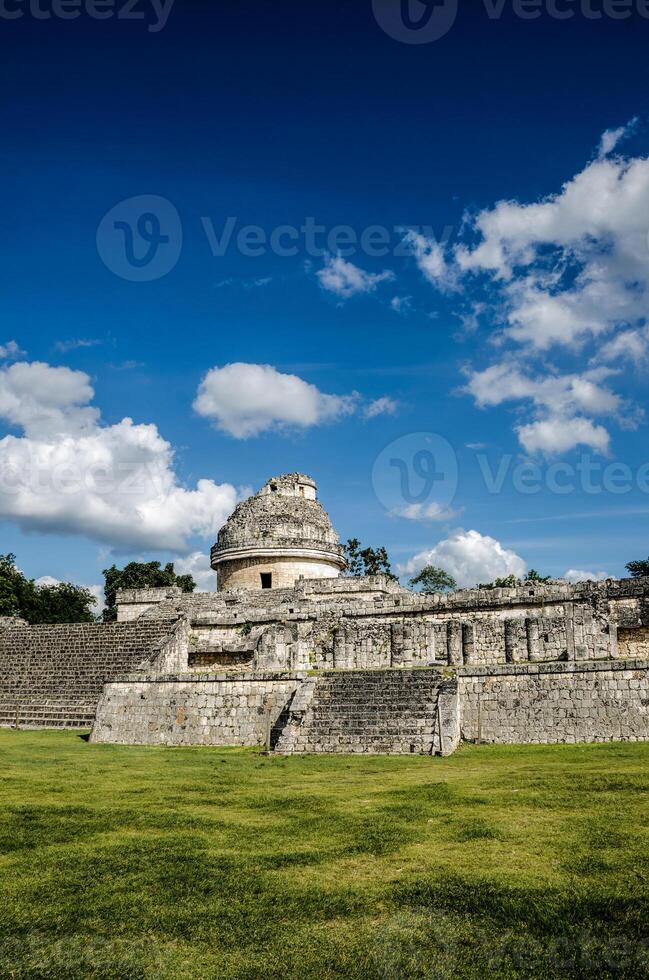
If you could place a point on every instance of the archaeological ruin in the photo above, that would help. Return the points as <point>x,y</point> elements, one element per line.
<point>291,654</point>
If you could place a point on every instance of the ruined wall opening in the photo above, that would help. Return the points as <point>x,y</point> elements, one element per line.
<point>266,580</point>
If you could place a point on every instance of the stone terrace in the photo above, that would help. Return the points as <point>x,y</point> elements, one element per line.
<point>53,676</point>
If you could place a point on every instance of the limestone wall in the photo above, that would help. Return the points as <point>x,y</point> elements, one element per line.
<point>245,573</point>
<point>203,709</point>
<point>634,642</point>
<point>560,702</point>
<point>370,623</point>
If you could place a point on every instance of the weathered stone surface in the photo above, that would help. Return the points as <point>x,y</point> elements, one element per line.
<point>276,536</point>
<point>385,711</point>
<point>541,662</point>
<point>53,676</point>
<point>226,709</point>
<point>560,702</point>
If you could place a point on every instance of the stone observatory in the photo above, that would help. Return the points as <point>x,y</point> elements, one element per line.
<point>276,537</point>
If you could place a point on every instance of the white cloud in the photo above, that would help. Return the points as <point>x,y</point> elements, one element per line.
<point>560,405</point>
<point>381,406</point>
<point>401,304</point>
<point>576,575</point>
<point>346,279</point>
<point>116,484</point>
<point>612,137</point>
<point>558,435</point>
<point>247,399</point>
<point>11,351</point>
<point>430,257</point>
<point>426,512</point>
<point>198,566</point>
<point>564,273</point>
<point>574,265</point>
<point>45,400</point>
<point>470,557</point>
<point>564,394</point>
<point>630,345</point>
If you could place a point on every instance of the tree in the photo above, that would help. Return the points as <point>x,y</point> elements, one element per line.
<point>13,587</point>
<point>434,579</point>
<point>511,581</point>
<point>140,575</point>
<point>61,603</point>
<point>367,561</point>
<point>39,604</point>
<point>638,569</point>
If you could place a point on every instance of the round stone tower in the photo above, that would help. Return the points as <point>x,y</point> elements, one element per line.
<point>276,537</point>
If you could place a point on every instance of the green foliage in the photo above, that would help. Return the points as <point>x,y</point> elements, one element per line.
<point>150,864</point>
<point>512,582</point>
<point>367,561</point>
<point>432,579</point>
<point>12,586</point>
<point>62,603</point>
<point>140,575</point>
<point>509,582</point>
<point>638,569</point>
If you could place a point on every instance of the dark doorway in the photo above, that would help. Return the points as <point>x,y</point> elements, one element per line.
<point>266,580</point>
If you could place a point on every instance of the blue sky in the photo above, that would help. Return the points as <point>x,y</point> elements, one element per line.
<point>505,336</point>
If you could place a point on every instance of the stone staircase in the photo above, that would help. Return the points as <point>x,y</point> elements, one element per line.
<point>53,676</point>
<point>47,712</point>
<point>374,711</point>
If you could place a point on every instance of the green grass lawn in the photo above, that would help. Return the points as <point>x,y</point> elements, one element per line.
<point>172,863</point>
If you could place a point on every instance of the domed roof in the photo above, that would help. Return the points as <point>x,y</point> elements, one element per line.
<point>285,514</point>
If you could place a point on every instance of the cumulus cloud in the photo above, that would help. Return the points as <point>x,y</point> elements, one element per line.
<point>561,405</point>
<point>470,557</point>
<point>628,345</point>
<point>198,566</point>
<point>573,266</point>
<point>245,400</point>
<point>345,279</point>
<point>68,473</point>
<point>381,406</point>
<point>562,274</point>
<point>577,575</point>
<point>611,137</point>
<point>11,351</point>
<point>430,256</point>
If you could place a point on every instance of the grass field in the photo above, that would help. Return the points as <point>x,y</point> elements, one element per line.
<point>174,863</point>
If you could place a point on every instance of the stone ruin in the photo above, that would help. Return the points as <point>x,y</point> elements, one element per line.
<point>289,654</point>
